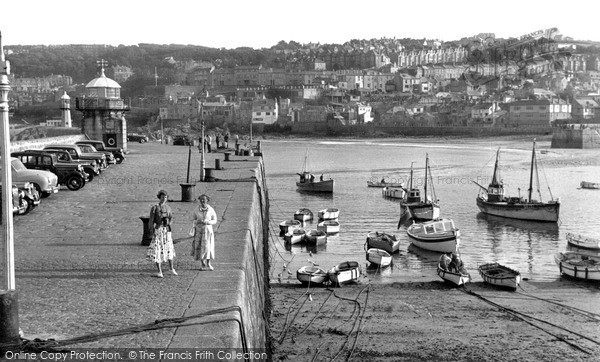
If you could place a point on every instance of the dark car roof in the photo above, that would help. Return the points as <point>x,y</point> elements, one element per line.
<point>34,152</point>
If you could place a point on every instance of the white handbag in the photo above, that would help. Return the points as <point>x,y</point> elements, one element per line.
<point>192,231</point>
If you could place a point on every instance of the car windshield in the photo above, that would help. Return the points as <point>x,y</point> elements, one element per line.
<point>17,165</point>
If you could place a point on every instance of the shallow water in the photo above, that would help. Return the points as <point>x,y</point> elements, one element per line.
<point>525,246</point>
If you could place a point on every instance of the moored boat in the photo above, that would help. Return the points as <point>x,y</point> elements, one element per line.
<point>578,265</point>
<point>439,235</point>
<point>424,207</point>
<point>393,193</point>
<point>492,200</point>
<point>329,226</point>
<point>311,275</point>
<point>315,237</point>
<point>345,272</point>
<point>456,279</point>
<point>384,241</point>
<point>500,275</point>
<point>383,183</point>
<point>295,236</point>
<point>288,225</point>
<point>583,242</point>
<point>329,213</point>
<point>309,183</point>
<point>379,257</point>
<point>590,185</point>
<point>303,215</point>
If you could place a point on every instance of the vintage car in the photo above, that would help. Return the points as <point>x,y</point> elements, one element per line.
<point>136,137</point>
<point>87,148</point>
<point>19,204</point>
<point>90,168</point>
<point>45,182</point>
<point>71,175</point>
<point>77,154</point>
<point>117,152</point>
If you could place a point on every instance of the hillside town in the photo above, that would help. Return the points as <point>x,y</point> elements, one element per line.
<point>536,81</point>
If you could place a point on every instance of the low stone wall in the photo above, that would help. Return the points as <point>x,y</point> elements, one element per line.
<point>575,138</point>
<point>39,143</point>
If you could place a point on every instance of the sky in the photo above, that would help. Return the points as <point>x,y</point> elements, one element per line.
<point>263,23</point>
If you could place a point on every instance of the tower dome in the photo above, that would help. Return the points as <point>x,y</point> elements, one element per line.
<point>103,87</point>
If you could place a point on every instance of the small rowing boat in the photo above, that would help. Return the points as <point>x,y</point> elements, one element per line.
<point>315,237</point>
<point>500,275</point>
<point>384,241</point>
<point>583,242</point>
<point>453,278</point>
<point>294,236</point>
<point>578,265</point>
<point>345,272</point>
<point>379,257</point>
<point>288,225</point>
<point>329,226</point>
<point>329,214</point>
<point>303,215</point>
<point>393,193</point>
<point>590,185</point>
<point>311,275</point>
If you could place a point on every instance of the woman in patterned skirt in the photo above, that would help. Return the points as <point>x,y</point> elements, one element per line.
<point>161,248</point>
<point>203,247</point>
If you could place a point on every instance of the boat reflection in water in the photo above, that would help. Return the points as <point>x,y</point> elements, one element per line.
<point>500,225</point>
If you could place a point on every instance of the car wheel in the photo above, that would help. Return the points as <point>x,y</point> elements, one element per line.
<point>142,140</point>
<point>90,174</point>
<point>119,159</point>
<point>38,189</point>
<point>30,206</point>
<point>75,182</point>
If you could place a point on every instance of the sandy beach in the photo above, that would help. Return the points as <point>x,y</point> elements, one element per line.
<point>431,321</point>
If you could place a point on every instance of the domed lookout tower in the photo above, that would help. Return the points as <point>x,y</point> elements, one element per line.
<point>65,110</point>
<point>104,111</point>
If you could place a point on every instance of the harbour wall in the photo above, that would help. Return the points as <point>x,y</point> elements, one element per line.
<point>586,138</point>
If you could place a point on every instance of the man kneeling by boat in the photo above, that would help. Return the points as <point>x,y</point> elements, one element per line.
<point>445,261</point>
<point>456,265</point>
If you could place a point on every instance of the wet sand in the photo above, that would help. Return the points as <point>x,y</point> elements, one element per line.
<point>431,321</point>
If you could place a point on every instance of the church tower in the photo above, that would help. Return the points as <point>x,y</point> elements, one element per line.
<point>104,111</point>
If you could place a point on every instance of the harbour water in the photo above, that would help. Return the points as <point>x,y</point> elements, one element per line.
<point>526,246</point>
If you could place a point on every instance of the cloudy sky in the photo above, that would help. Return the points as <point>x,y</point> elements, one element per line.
<point>263,23</point>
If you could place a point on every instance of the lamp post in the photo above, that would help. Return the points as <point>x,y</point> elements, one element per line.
<point>9,317</point>
<point>202,161</point>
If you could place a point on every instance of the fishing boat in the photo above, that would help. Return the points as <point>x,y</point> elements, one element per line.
<point>439,235</point>
<point>500,275</point>
<point>311,275</point>
<point>309,183</point>
<point>329,214</point>
<point>379,257</point>
<point>456,279</point>
<point>383,241</point>
<point>295,236</point>
<point>315,237</point>
<point>590,185</point>
<point>383,183</point>
<point>424,207</point>
<point>393,193</point>
<point>583,242</point>
<point>288,225</point>
<point>303,215</point>
<point>345,272</point>
<point>329,226</point>
<point>578,265</point>
<point>492,200</point>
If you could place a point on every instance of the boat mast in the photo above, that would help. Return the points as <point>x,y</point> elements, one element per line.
<point>531,171</point>
<point>495,176</point>
<point>411,176</point>
<point>426,167</point>
<point>305,161</point>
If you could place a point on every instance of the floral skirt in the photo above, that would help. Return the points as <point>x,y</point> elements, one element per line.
<point>161,248</point>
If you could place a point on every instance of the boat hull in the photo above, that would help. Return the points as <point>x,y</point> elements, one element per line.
<point>393,193</point>
<point>315,237</point>
<point>311,275</point>
<point>317,186</point>
<point>443,239</point>
<point>329,227</point>
<point>295,236</point>
<point>500,276</point>
<point>579,266</point>
<point>345,272</point>
<point>547,212</point>
<point>383,241</point>
<point>329,214</point>
<point>289,225</point>
<point>455,279</point>
<point>423,211</point>
<point>303,215</point>
<point>583,242</point>
<point>379,257</point>
<point>590,185</point>
<point>384,184</point>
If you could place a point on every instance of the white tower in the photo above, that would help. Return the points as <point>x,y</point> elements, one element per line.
<point>65,110</point>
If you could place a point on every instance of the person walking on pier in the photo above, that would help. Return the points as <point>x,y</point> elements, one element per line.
<point>161,248</point>
<point>203,246</point>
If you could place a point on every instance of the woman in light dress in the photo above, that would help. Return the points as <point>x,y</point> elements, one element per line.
<point>161,248</point>
<point>203,247</point>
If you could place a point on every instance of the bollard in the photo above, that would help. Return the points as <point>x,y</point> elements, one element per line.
<point>217,164</point>
<point>147,236</point>
<point>208,175</point>
<point>9,320</point>
<point>227,155</point>
<point>187,192</point>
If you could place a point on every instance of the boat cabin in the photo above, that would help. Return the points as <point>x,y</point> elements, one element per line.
<point>495,192</point>
<point>436,227</point>
<point>306,177</point>
<point>413,195</point>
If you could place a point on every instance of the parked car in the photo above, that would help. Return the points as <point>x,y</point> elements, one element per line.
<point>135,137</point>
<point>45,182</point>
<point>117,152</point>
<point>181,140</point>
<point>85,148</point>
<point>90,168</point>
<point>20,205</point>
<point>71,175</point>
<point>77,154</point>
